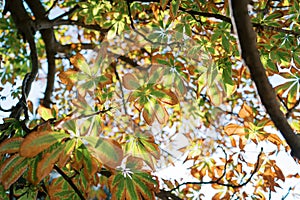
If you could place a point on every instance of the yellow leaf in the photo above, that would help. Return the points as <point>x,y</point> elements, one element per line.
<point>45,113</point>
<point>170,98</point>
<point>161,114</point>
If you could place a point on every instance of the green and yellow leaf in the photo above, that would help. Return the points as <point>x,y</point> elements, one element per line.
<point>45,166</point>
<point>11,145</point>
<point>108,151</point>
<point>12,169</point>
<point>38,141</point>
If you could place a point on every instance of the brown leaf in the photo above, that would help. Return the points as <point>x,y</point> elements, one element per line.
<point>149,117</point>
<point>234,129</point>
<point>12,169</point>
<point>45,166</point>
<point>65,78</point>
<point>170,98</point>
<point>11,145</point>
<point>246,112</point>
<point>30,106</point>
<point>130,82</point>
<point>275,140</point>
<point>38,141</point>
<point>279,173</point>
<point>74,60</point>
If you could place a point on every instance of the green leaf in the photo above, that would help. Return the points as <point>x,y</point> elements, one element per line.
<point>174,8</point>
<point>226,43</point>
<point>108,151</point>
<point>112,32</point>
<point>271,65</point>
<point>273,16</point>
<point>227,76</point>
<point>142,145</point>
<point>135,184</point>
<point>31,175</point>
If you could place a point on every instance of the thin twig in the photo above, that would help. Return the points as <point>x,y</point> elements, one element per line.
<point>75,188</point>
<point>121,87</point>
<point>52,6</point>
<point>93,114</point>
<point>223,175</point>
<point>66,13</point>
<point>287,194</point>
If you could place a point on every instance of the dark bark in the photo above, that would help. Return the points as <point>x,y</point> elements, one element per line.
<point>26,28</point>
<point>50,43</point>
<point>250,54</point>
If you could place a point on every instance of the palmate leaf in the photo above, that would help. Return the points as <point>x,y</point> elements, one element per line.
<point>171,72</point>
<point>139,185</point>
<point>142,145</point>
<point>85,162</point>
<point>38,141</point>
<point>153,105</point>
<point>149,98</point>
<point>154,109</point>
<point>289,90</point>
<point>79,62</point>
<point>12,169</point>
<point>108,151</point>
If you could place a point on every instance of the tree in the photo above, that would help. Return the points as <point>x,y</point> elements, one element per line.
<point>122,79</point>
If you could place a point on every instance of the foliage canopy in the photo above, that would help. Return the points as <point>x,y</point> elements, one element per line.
<point>95,94</point>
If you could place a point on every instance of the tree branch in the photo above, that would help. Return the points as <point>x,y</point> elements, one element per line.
<point>75,188</point>
<point>50,43</point>
<point>165,195</point>
<point>25,26</point>
<point>250,54</point>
